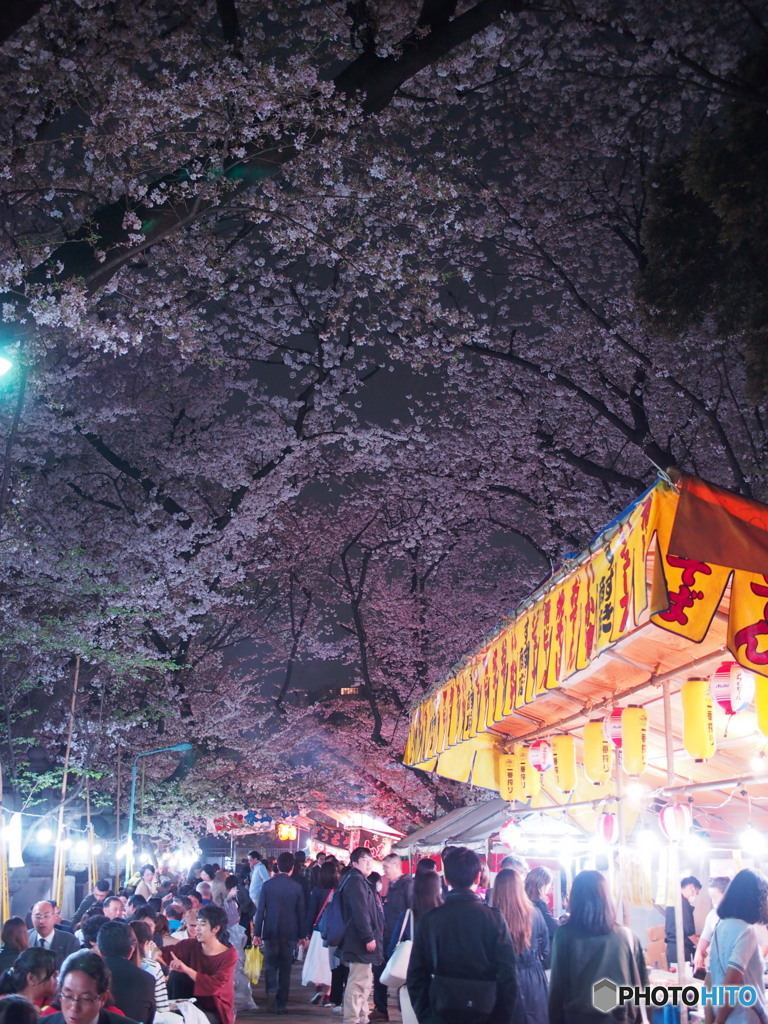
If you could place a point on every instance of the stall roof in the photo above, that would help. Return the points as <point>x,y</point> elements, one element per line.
<point>623,619</point>
<point>476,821</point>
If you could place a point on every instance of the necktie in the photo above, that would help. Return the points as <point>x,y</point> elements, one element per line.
<point>41,941</point>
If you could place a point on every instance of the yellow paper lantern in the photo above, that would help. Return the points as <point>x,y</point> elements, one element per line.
<point>564,761</point>
<point>698,724</point>
<point>518,780</point>
<point>507,777</point>
<point>597,753</point>
<point>634,732</point>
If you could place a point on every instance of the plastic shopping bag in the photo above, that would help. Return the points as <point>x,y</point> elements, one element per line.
<point>254,960</point>
<point>317,963</point>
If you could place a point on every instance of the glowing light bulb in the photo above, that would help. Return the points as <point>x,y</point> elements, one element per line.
<point>752,841</point>
<point>81,848</point>
<point>695,845</point>
<point>97,849</point>
<point>635,791</point>
<point>646,839</point>
<point>44,836</point>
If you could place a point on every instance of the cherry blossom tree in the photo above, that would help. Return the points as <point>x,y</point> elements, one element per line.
<point>331,352</point>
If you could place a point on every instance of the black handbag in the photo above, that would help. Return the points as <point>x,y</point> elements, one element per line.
<point>460,1000</point>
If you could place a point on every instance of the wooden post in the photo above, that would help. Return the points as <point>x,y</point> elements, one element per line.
<point>674,852</point>
<point>117,822</point>
<point>622,906</point>
<point>60,854</point>
<point>5,900</point>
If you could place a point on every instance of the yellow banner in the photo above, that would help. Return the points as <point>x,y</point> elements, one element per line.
<point>581,613</point>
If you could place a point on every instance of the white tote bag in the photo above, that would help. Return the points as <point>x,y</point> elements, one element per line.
<point>396,969</point>
<point>409,1017</point>
<point>317,964</point>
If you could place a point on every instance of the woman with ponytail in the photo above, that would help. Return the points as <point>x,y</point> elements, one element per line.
<point>33,975</point>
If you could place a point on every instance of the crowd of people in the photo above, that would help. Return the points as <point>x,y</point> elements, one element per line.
<point>480,950</point>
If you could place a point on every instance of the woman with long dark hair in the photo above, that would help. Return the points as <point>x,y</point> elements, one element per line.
<point>734,953</point>
<point>147,955</point>
<point>531,941</point>
<point>209,962</point>
<point>15,939</point>
<point>327,881</point>
<point>33,975</point>
<point>591,946</point>
<point>427,893</point>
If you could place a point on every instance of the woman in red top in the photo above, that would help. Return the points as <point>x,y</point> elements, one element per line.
<point>209,962</point>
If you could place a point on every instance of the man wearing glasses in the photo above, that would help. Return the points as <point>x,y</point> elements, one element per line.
<point>46,936</point>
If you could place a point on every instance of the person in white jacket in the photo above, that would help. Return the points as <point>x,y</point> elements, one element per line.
<point>259,875</point>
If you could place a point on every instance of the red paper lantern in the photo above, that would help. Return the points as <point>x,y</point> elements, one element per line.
<point>732,686</point>
<point>540,755</point>
<point>675,821</point>
<point>612,727</point>
<point>607,827</point>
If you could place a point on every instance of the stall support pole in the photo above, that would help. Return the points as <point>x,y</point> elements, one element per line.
<point>674,851</point>
<point>622,906</point>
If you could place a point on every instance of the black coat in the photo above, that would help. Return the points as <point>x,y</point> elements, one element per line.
<point>281,913</point>
<point>531,980</point>
<point>7,956</point>
<point>317,898</point>
<point>133,990</point>
<point>471,940</point>
<point>399,899</point>
<point>85,904</point>
<point>363,920</point>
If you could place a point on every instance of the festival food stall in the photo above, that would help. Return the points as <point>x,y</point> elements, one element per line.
<point>630,691</point>
<point>291,828</point>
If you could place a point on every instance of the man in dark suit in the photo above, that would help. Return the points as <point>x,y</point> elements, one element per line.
<point>133,990</point>
<point>45,935</point>
<point>98,894</point>
<point>279,924</point>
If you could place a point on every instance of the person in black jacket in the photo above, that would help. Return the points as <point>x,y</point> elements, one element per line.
<point>398,900</point>
<point>465,942</point>
<point>98,895</point>
<point>278,926</point>
<point>133,990</point>
<point>363,942</point>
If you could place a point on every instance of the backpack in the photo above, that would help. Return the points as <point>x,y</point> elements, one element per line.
<point>331,923</point>
<point>244,902</point>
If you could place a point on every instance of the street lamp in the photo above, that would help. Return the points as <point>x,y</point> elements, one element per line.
<point>134,777</point>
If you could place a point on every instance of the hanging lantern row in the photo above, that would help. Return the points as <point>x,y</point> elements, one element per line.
<point>520,772</point>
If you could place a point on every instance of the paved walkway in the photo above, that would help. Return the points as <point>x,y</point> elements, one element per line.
<point>300,1011</point>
